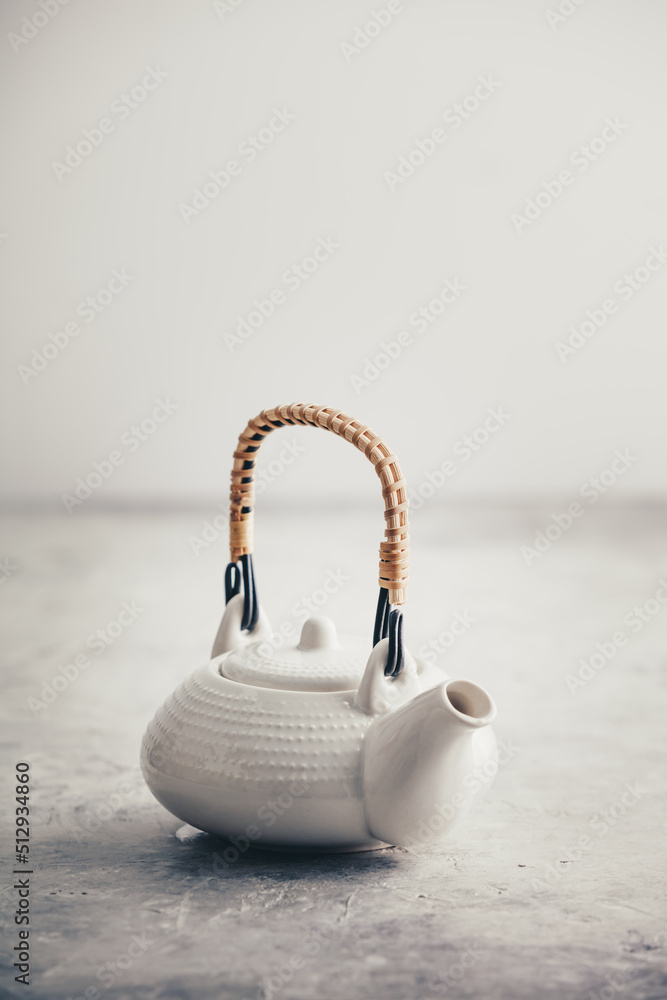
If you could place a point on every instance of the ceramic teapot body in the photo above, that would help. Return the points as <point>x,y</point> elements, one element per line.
<point>332,744</point>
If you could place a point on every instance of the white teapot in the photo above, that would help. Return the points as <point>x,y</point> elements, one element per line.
<point>333,744</point>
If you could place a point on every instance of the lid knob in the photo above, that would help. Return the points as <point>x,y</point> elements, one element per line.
<point>318,632</point>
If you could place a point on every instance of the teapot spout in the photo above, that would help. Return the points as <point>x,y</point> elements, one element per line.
<point>422,763</point>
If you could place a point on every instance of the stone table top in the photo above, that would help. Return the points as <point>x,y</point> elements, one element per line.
<point>553,888</point>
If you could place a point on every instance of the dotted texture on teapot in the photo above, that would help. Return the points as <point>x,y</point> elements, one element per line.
<point>217,731</point>
<point>289,669</point>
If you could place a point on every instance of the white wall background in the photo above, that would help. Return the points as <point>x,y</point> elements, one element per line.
<point>324,175</point>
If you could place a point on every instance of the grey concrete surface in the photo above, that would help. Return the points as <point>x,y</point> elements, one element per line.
<point>554,888</point>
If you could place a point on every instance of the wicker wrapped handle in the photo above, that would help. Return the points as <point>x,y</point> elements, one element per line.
<point>394,550</point>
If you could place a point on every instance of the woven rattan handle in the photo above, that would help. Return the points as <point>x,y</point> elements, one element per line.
<point>394,550</point>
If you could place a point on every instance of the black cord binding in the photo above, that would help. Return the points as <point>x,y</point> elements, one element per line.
<point>250,605</point>
<point>233,577</point>
<point>395,655</point>
<point>232,581</point>
<point>389,622</point>
<point>381,616</point>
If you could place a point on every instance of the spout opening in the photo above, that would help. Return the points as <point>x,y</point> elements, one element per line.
<point>470,702</point>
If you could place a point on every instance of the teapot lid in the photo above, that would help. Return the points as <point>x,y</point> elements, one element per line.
<point>319,661</point>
